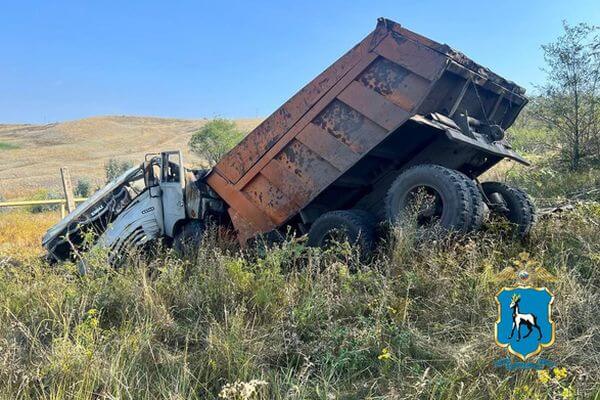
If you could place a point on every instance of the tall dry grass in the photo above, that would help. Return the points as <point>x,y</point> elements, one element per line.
<point>21,232</point>
<point>294,323</point>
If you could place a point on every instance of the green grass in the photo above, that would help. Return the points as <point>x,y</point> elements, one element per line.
<point>294,323</point>
<point>8,146</point>
<point>550,183</point>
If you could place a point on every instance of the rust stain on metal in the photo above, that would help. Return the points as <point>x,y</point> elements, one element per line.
<point>374,106</point>
<point>334,151</point>
<point>349,127</point>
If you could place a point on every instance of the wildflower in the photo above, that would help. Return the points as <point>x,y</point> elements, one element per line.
<point>560,373</point>
<point>567,393</point>
<point>385,354</point>
<point>544,376</point>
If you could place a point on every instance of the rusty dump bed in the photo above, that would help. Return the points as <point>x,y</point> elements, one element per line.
<point>391,101</point>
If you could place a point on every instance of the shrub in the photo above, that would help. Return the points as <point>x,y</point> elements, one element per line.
<point>114,168</point>
<point>83,188</point>
<point>45,195</point>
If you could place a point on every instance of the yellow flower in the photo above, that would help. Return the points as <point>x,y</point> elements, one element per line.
<point>544,376</point>
<point>568,393</point>
<point>560,373</point>
<point>385,354</point>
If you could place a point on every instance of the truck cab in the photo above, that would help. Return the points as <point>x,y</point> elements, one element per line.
<point>144,203</point>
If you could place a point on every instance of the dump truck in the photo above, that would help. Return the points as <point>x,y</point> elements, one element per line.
<point>397,117</point>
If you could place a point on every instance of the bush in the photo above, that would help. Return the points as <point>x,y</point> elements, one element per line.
<point>114,168</point>
<point>45,195</point>
<point>529,136</point>
<point>83,188</point>
<point>214,139</point>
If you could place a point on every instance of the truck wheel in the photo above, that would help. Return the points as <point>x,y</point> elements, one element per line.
<point>435,194</point>
<point>355,226</point>
<point>187,241</point>
<point>478,205</point>
<point>511,203</point>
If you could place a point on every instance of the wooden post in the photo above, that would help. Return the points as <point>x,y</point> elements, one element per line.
<point>68,188</point>
<point>62,210</point>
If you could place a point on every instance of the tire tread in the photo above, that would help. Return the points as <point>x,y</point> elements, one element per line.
<point>455,178</point>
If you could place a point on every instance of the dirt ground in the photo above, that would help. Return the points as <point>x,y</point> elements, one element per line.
<point>31,155</point>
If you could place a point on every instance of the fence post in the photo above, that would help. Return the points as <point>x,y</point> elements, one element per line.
<point>68,188</point>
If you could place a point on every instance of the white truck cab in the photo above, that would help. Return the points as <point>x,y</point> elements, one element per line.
<point>155,199</point>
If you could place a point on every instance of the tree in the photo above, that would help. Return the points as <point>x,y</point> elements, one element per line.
<point>214,139</point>
<point>568,101</point>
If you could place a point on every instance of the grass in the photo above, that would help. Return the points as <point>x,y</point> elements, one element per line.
<point>8,146</point>
<point>415,322</point>
<point>549,182</point>
<point>21,231</point>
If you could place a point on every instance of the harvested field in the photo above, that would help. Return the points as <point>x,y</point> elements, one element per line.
<point>31,155</point>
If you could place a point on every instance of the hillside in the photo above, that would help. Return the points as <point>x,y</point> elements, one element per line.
<point>31,155</point>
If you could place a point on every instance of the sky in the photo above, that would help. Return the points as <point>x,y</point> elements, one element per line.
<point>65,60</point>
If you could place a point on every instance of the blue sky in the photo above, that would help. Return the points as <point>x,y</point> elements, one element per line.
<point>63,60</point>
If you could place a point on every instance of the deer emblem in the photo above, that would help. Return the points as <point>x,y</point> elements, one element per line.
<point>529,320</point>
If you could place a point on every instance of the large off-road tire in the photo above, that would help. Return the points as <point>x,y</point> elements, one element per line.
<point>452,204</point>
<point>477,204</point>
<point>513,204</point>
<point>355,226</point>
<point>188,239</point>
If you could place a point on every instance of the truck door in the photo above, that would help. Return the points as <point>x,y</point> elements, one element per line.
<point>172,185</point>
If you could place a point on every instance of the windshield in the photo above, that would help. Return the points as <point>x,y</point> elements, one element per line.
<point>135,184</point>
